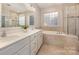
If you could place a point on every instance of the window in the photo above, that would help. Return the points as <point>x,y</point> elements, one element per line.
<point>31,20</point>
<point>51,19</point>
<point>3,21</point>
<point>21,20</point>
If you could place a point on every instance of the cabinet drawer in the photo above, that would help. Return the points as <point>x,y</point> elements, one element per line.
<point>34,45</point>
<point>40,37</point>
<point>24,51</point>
<point>14,47</point>
<point>34,37</point>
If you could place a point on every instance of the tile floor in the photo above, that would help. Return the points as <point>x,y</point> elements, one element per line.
<point>55,50</point>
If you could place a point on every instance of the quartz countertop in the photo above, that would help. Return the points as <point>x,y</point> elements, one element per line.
<point>11,39</point>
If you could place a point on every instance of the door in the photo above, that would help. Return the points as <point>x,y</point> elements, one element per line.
<point>77,27</point>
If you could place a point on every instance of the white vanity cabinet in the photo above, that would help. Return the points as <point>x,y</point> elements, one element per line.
<point>28,45</point>
<point>36,42</point>
<point>13,48</point>
<point>25,50</point>
<point>33,46</point>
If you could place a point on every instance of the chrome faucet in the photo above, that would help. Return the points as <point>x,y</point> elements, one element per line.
<point>3,33</point>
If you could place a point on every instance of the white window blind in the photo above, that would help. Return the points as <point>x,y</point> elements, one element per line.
<point>51,19</point>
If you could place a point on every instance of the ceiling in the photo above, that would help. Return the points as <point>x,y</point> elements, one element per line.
<point>22,7</point>
<point>46,5</point>
<point>16,7</point>
<point>19,7</point>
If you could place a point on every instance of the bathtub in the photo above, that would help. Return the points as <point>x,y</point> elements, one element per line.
<point>61,39</point>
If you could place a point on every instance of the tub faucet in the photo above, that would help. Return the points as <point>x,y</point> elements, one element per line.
<point>59,32</point>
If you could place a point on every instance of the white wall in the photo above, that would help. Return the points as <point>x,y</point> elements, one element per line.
<point>37,16</point>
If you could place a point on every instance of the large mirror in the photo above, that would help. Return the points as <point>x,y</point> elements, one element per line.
<point>15,14</point>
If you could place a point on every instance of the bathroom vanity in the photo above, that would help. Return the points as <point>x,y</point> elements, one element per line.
<point>27,43</point>
<point>15,40</point>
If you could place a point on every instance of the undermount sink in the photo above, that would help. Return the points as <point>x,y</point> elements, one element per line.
<point>8,37</point>
<point>11,36</point>
<point>15,34</point>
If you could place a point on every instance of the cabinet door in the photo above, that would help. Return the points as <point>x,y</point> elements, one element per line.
<point>36,42</point>
<point>34,47</point>
<point>24,51</point>
<point>40,39</point>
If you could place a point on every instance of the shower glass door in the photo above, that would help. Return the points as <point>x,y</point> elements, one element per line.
<point>71,26</point>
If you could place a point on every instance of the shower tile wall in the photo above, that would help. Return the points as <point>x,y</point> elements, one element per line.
<point>71,19</point>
